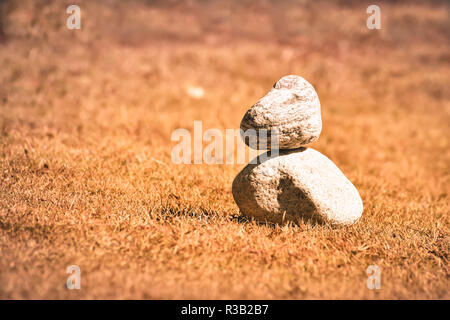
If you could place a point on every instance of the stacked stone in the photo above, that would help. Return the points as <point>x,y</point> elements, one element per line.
<point>300,183</point>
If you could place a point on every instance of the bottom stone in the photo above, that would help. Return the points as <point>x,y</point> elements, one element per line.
<point>299,184</point>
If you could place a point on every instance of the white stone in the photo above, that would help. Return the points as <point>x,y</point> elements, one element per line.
<point>292,108</point>
<point>300,184</point>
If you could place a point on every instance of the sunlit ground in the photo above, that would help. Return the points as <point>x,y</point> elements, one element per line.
<point>87,178</point>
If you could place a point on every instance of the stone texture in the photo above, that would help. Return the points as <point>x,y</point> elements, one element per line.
<point>292,108</point>
<point>298,184</point>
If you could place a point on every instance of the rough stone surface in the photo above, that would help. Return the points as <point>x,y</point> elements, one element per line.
<point>298,184</point>
<point>292,108</point>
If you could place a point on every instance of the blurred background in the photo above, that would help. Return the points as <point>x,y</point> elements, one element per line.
<point>147,53</point>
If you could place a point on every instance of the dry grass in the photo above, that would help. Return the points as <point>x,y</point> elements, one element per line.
<point>86,175</point>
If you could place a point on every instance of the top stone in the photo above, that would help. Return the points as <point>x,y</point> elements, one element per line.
<point>291,109</point>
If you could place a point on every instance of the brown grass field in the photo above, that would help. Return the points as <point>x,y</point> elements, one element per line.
<point>86,118</point>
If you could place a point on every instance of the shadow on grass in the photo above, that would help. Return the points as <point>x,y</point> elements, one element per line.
<point>169,212</point>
